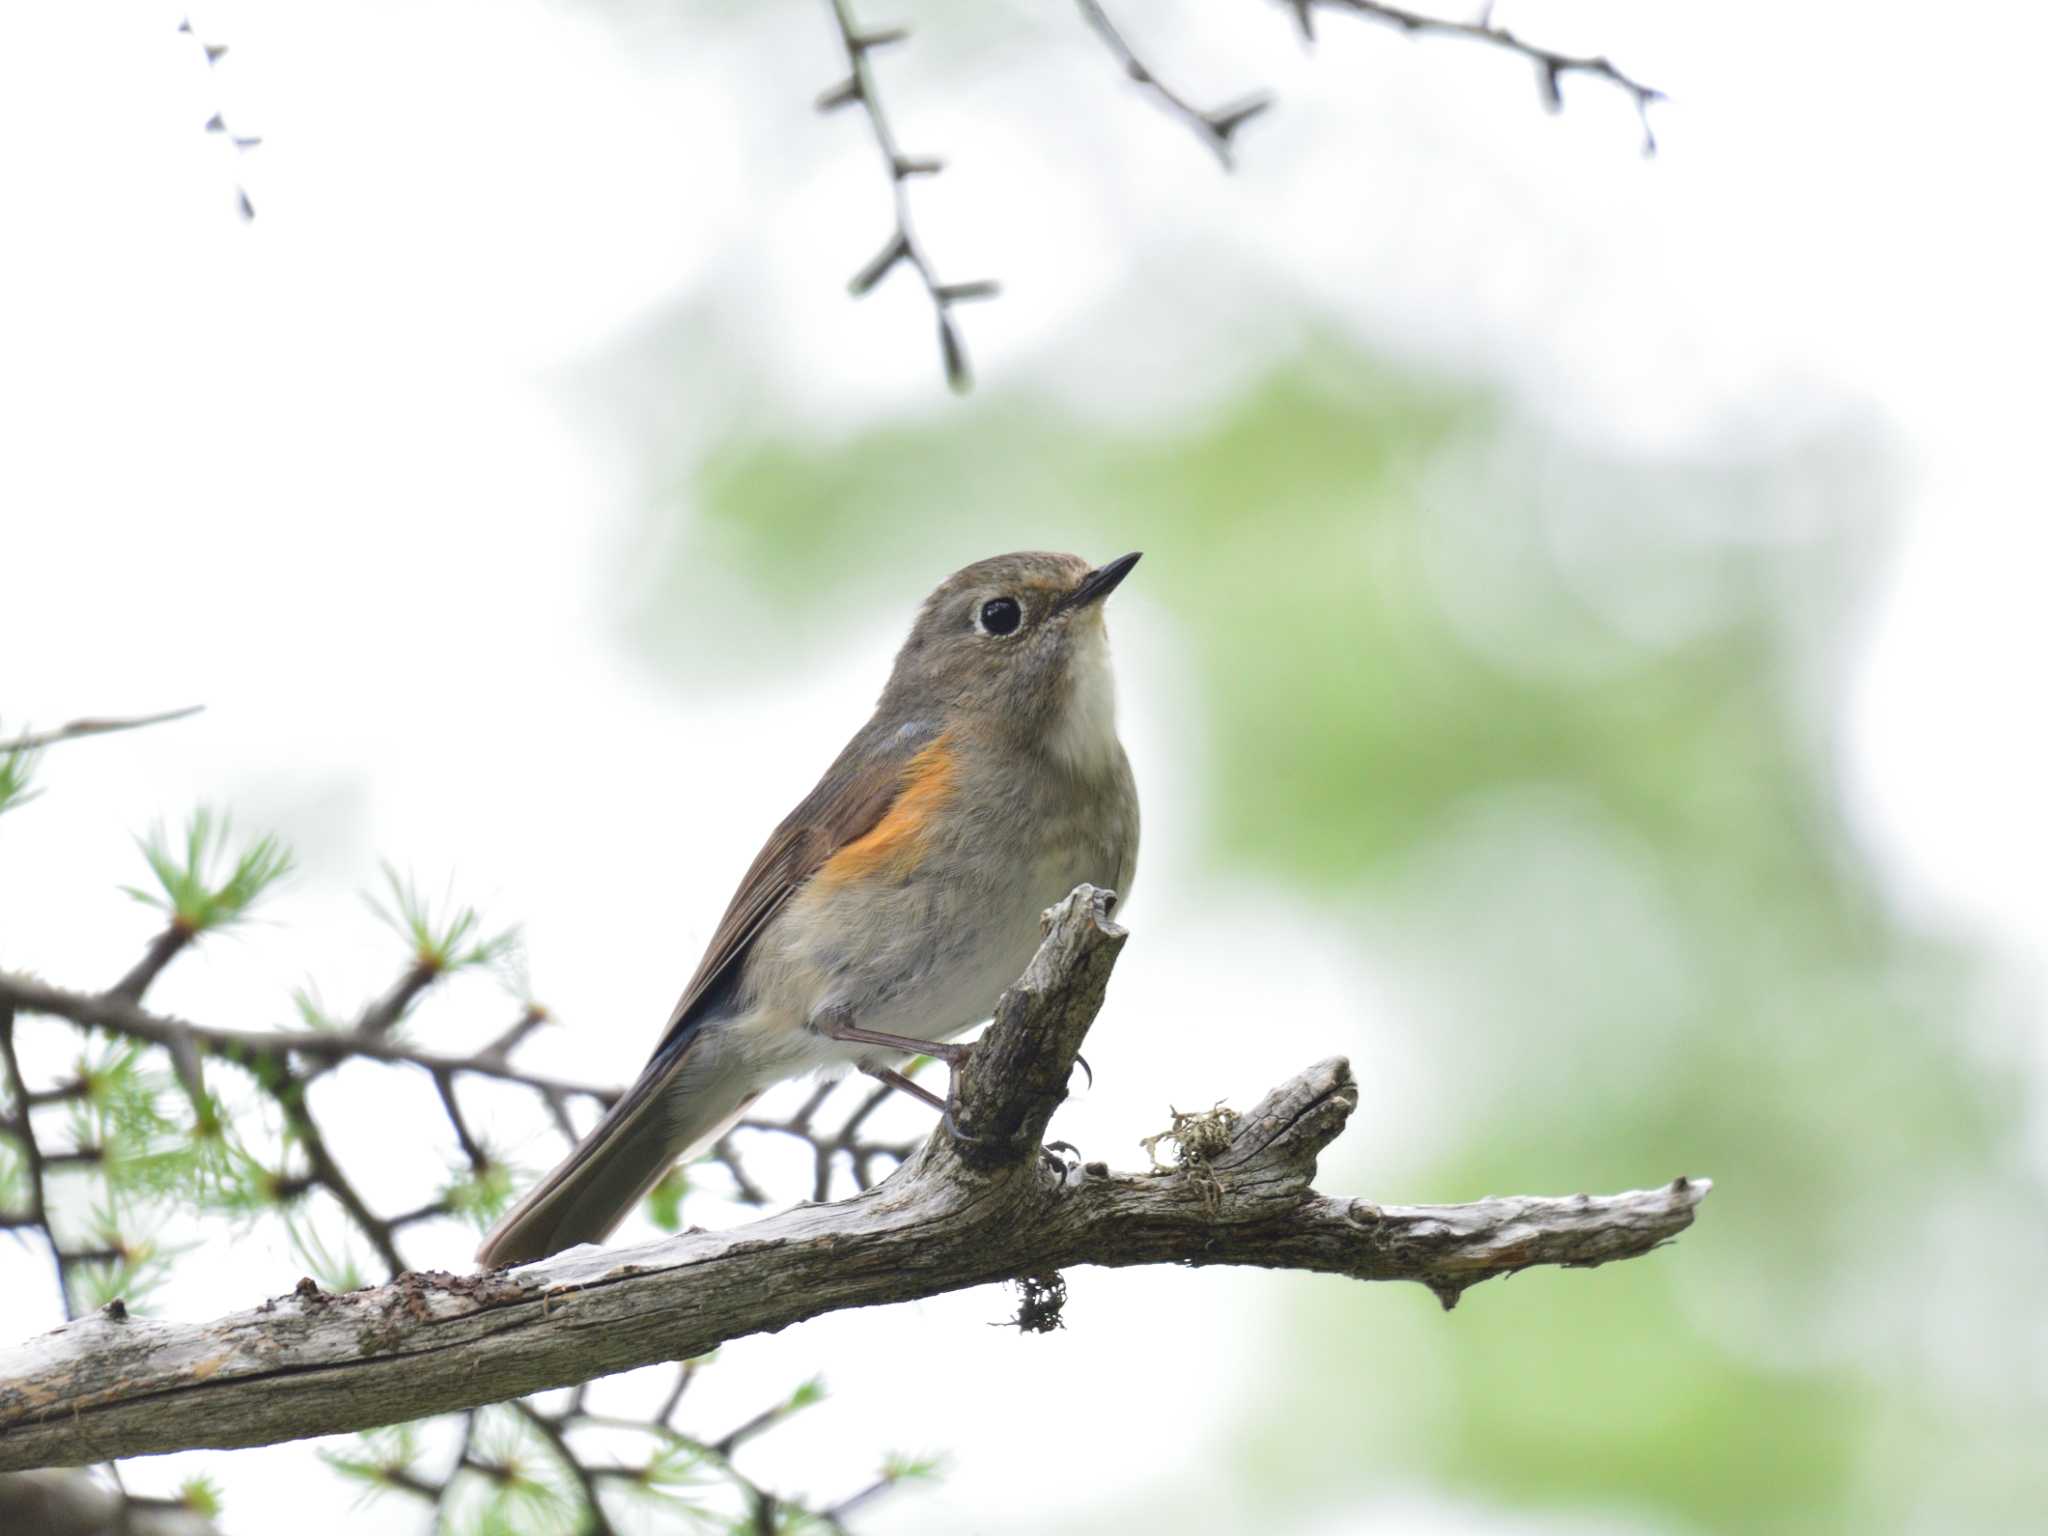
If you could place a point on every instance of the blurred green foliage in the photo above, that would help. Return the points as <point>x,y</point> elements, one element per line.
<point>17,779</point>
<point>1560,730</point>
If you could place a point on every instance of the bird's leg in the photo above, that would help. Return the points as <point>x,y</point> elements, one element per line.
<point>945,1108</point>
<point>918,1091</point>
<point>836,1023</point>
<point>907,1085</point>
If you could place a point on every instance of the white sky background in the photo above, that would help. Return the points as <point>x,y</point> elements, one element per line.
<point>328,474</point>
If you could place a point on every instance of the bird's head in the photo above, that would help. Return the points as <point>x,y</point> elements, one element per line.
<point>1017,641</point>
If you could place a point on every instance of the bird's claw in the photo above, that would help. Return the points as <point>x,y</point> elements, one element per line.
<point>953,1126</point>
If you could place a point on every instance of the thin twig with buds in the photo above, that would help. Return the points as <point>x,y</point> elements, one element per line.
<point>1215,126</point>
<point>1551,65</point>
<point>904,248</point>
<point>218,123</point>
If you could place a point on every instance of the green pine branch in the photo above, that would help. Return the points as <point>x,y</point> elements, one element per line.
<point>200,887</point>
<point>441,944</point>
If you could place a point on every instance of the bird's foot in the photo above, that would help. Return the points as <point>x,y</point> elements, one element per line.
<point>945,1106</point>
<point>1057,1162</point>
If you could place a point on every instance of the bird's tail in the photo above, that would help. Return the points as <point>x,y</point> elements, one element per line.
<point>668,1114</point>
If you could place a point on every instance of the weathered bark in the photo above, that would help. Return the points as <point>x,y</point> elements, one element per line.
<point>986,1205</point>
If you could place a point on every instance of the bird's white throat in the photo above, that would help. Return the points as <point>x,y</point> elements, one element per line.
<point>1084,734</point>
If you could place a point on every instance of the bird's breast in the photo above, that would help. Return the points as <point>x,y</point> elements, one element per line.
<point>919,933</point>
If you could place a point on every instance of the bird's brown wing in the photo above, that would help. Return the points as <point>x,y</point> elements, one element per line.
<point>852,802</point>
<point>868,809</point>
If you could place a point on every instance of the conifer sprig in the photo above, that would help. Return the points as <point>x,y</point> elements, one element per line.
<point>441,944</point>
<point>200,887</point>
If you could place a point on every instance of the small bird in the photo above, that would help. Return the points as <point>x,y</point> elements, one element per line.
<point>890,909</point>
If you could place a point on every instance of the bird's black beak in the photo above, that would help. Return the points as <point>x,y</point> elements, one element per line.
<point>1099,583</point>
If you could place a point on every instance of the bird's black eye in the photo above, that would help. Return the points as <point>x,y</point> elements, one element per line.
<point>1001,616</point>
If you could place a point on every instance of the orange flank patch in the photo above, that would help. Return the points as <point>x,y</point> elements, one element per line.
<point>892,845</point>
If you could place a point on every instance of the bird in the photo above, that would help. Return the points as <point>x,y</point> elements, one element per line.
<point>889,910</point>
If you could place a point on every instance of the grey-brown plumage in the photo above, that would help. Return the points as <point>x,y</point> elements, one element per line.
<point>892,906</point>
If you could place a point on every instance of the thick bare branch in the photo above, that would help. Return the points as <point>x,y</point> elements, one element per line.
<point>960,1213</point>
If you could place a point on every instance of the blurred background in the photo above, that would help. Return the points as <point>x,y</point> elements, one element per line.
<point>1586,666</point>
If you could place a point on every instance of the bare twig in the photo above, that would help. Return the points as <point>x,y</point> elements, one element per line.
<point>826,1147</point>
<point>962,1212</point>
<point>383,1015</point>
<point>162,950</point>
<point>327,1173</point>
<point>1214,126</point>
<point>530,1018</point>
<point>1551,65</point>
<point>241,142</point>
<point>904,247</point>
<point>106,1010</point>
<point>35,740</point>
<point>20,1125</point>
<point>552,1431</point>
